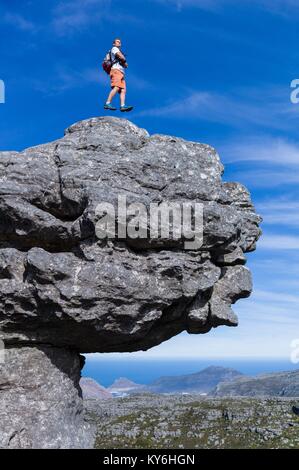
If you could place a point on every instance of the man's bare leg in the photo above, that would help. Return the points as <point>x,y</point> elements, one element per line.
<point>122,97</point>
<point>123,106</point>
<point>112,94</point>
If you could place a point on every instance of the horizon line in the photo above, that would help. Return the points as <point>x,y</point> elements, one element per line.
<point>122,356</point>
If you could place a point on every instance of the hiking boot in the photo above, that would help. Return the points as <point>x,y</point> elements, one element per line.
<point>125,109</point>
<point>110,107</point>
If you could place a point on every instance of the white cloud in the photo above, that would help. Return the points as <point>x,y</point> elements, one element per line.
<point>64,79</point>
<point>137,82</point>
<point>20,22</point>
<point>277,297</point>
<point>280,212</point>
<point>72,16</point>
<point>267,149</point>
<point>76,15</point>
<point>268,107</point>
<point>285,8</point>
<point>267,178</point>
<point>202,4</point>
<point>270,162</point>
<point>286,265</point>
<point>279,242</point>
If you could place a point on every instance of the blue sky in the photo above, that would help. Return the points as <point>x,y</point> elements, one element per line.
<point>214,71</point>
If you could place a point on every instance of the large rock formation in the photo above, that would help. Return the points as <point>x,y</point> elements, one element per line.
<point>63,291</point>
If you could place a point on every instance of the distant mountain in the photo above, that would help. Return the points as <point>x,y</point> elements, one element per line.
<point>93,390</point>
<point>199,382</point>
<point>279,384</point>
<point>123,385</point>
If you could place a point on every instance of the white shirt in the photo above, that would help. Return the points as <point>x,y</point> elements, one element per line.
<point>117,65</point>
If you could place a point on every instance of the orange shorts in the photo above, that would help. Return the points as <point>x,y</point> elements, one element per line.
<point>117,79</point>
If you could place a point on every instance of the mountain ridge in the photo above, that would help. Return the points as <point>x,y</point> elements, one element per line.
<point>217,381</point>
<point>272,384</point>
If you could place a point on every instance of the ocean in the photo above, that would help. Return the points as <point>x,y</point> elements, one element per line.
<point>141,371</point>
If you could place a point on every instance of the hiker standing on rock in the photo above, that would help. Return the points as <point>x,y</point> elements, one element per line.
<point>115,64</point>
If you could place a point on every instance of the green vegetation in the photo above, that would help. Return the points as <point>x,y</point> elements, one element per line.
<point>191,422</point>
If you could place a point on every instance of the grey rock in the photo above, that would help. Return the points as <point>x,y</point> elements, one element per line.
<point>56,275</point>
<point>40,400</point>
<point>231,259</point>
<point>62,286</point>
<point>234,284</point>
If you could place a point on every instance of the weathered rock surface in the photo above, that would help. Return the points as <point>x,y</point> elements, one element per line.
<point>62,286</point>
<point>40,400</point>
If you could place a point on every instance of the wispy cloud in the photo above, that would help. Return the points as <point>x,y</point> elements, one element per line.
<point>211,5</point>
<point>280,212</point>
<point>277,297</point>
<point>264,149</point>
<point>265,161</point>
<point>76,15</point>
<point>139,83</point>
<point>279,242</point>
<point>66,18</point>
<point>20,22</point>
<point>287,265</point>
<point>267,178</point>
<point>285,8</point>
<point>241,108</point>
<point>65,79</point>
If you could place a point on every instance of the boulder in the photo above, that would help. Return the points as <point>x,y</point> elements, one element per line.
<point>65,288</point>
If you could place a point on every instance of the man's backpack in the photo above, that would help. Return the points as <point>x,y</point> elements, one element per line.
<point>108,62</point>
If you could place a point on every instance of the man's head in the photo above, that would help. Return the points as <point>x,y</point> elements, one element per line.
<point>117,42</point>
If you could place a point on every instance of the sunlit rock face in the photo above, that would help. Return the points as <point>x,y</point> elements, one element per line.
<point>64,287</point>
<point>61,285</point>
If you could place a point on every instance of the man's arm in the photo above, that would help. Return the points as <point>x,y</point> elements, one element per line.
<point>122,59</point>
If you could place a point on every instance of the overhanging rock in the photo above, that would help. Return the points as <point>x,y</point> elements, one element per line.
<point>62,287</point>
